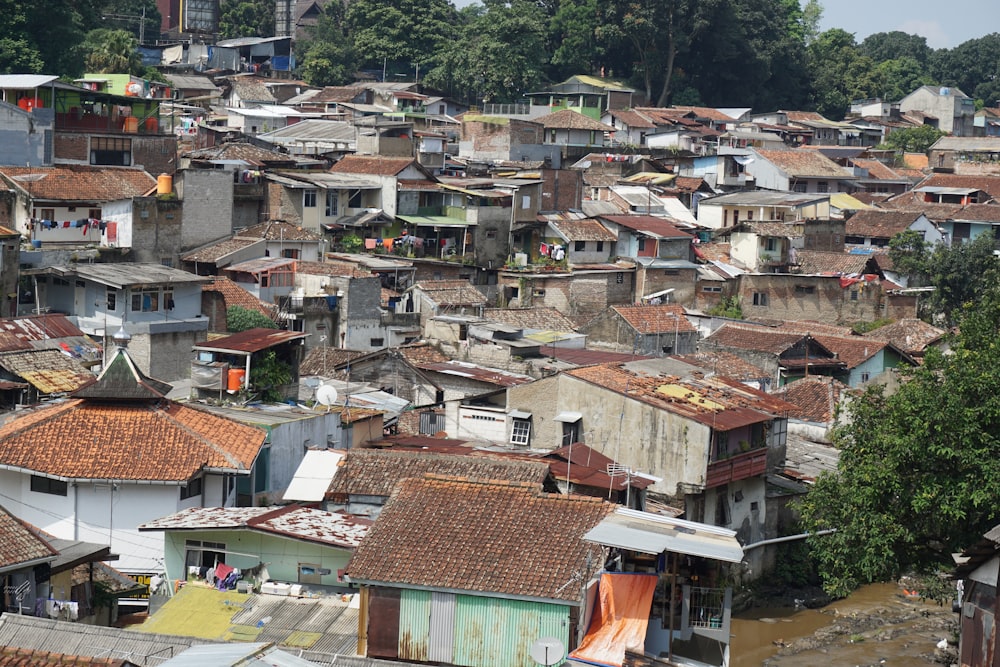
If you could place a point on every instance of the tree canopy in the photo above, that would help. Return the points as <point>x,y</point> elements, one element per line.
<point>239,319</point>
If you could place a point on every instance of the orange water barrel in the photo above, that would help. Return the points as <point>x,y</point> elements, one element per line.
<point>164,184</point>
<point>235,380</point>
<point>131,124</point>
<point>152,125</point>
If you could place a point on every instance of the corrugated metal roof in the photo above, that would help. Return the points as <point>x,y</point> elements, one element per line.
<point>250,341</point>
<point>314,475</point>
<point>25,81</point>
<point>245,655</point>
<point>654,534</point>
<point>481,373</point>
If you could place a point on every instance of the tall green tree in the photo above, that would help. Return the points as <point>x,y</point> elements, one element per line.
<point>972,66</point>
<point>18,54</point>
<point>883,46</point>
<point>500,55</point>
<point>960,273</point>
<point>832,59</point>
<point>246,18</point>
<point>918,477</point>
<point>573,34</point>
<point>327,55</point>
<point>403,31</point>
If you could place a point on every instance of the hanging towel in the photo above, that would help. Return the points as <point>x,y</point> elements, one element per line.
<point>370,244</point>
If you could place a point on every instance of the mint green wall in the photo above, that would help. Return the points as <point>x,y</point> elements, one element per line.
<point>281,554</point>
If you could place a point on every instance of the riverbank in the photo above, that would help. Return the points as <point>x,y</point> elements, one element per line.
<point>876,625</point>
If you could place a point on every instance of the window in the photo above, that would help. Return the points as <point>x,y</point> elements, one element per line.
<point>355,200</point>
<point>711,288</point>
<point>520,433</point>
<point>112,298</point>
<point>725,218</point>
<point>865,377</point>
<point>671,272</point>
<point>309,198</point>
<point>749,215</point>
<point>760,298</point>
<point>376,342</point>
<point>552,136</point>
<point>600,246</point>
<point>204,554</point>
<point>538,291</point>
<point>94,213</point>
<point>570,433</point>
<point>805,289</point>
<point>191,489</point>
<point>642,245</point>
<point>111,151</point>
<point>48,485</point>
<point>579,246</point>
<point>771,244</point>
<point>962,230</point>
<point>822,186</point>
<point>491,233</point>
<point>146,300</point>
<point>525,201</point>
<point>48,213</point>
<point>798,187</point>
<point>290,253</point>
<point>168,299</point>
<point>721,507</point>
<point>332,200</point>
<point>854,295</point>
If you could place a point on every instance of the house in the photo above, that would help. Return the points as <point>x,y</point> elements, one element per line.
<point>582,292</point>
<point>491,137</point>
<point>35,148</point>
<point>765,247</point>
<point>966,154</point>
<point>300,544</point>
<point>430,298</point>
<point>876,227</point>
<point>583,241</point>
<point>761,206</point>
<point>272,238</point>
<point>24,553</point>
<point>820,400</point>
<point>51,204</point>
<point>584,94</point>
<point>784,355</point>
<point>976,604</point>
<point>161,305</point>
<point>799,170</point>
<point>314,137</point>
<point>876,176</point>
<point>911,335</point>
<point>117,454</point>
<point>631,127</point>
<point>987,122</point>
<point>364,481</point>
<point>651,330</point>
<point>445,546</point>
<point>574,131</point>
<point>221,294</point>
<point>28,375</point>
<point>865,359</point>
<point>953,110</point>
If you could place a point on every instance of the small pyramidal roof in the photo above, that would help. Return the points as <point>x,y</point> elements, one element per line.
<point>122,380</point>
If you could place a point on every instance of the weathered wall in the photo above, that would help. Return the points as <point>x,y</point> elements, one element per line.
<point>828,302</point>
<point>650,280</point>
<point>157,154</point>
<point>165,356</point>
<point>23,136</point>
<point>208,206</point>
<point>157,230</point>
<point>583,294</point>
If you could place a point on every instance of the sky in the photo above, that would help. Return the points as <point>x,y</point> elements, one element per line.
<point>945,23</point>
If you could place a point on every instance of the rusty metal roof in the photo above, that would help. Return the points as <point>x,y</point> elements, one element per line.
<point>474,372</point>
<point>250,341</point>
<point>48,371</point>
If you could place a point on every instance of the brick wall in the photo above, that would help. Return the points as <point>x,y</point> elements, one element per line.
<point>819,298</point>
<point>562,189</point>
<point>682,281</point>
<point>157,154</point>
<point>824,235</point>
<point>72,147</point>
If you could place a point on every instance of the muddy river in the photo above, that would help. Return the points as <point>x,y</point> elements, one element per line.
<point>876,625</point>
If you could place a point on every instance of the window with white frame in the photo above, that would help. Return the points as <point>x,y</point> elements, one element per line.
<point>520,433</point>
<point>332,203</point>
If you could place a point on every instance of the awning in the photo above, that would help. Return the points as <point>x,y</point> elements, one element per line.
<point>654,534</point>
<point>567,417</point>
<point>519,414</point>
<point>743,159</point>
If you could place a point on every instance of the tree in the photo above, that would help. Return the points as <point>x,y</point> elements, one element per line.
<point>18,55</point>
<point>405,31</point>
<point>831,56</point>
<point>112,52</point>
<point>972,66</point>
<point>812,14</point>
<point>328,56</point>
<point>917,478</point>
<point>268,375</point>
<point>883,46</point>
<point>127,15</point>
<point>240,319</point>
<point>500,56</point>
<point>961,274</point>
<point>913,139</point>
<point>573,34</point>
<point>910,255</point>
<point>246,18</point>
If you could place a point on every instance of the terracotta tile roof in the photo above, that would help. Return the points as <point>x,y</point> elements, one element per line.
<point>585,357</point>
<point>165,441</point>
<point>724,363</point>
<point>794,116</point>
<point>878,170</point>
<point>880,224</point>
<point>372,166</point>
<point>720,402</point>
<point>632,119</point>
<point>583,230</point>
<point>499,538</point>
<point>839,263</point>
<point>277,230</point>
<point>324,360</point>
<point>211,254</point>
<point>567,119</point>
<point>375,472</point>
<point>81,183</point>
<point>252,89</point>
<point>451,292</point>
<point>243,151</point>
<point>705,112</point>
<point>754,337</point>
<point>852,350</point>
<point>539,317</point>
<point>988,184</point>
<point>816,398</point>
<point>422,353</point>
<point>48,371</point>
<point>812,327</point>
<point>688,183</point>
<point>19,544</point>
<point>915,161</point>
<point>714,251</point>
<point>11,656</point>
<point>667,317</point>
<point>804,163</point>
<point>913,201</point>
<point>337,94</point>
<point>647,223</point>
<point>978,213</point>
<point>910,334</point>
<point>333,269</point>
<point>234,295</point>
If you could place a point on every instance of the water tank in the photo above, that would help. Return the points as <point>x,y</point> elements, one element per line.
<point>164,184</point>
<point>234,381</point>
<point>945,91</point>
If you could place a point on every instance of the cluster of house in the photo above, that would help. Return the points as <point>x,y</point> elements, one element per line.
<point>535,359</point>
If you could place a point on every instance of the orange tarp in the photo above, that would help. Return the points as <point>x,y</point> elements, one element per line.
<point>620,621</point>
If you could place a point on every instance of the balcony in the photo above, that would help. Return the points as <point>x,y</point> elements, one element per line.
<point>248,191</point>
<point>83,121</point>
<point>740,466</point>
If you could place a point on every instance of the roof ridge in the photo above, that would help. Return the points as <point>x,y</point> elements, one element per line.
<point>166,414</point>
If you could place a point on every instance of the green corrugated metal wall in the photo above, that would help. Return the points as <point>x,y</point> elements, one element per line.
<point>414,624</point>
<point>493,632</point>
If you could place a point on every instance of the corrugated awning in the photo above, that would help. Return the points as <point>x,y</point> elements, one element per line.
<point>654,534</point>
<point>568,417</point>
<point>519,414</point>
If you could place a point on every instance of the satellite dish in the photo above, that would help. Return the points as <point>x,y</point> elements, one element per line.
<point>326,394</point>
<point>547,651</point>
